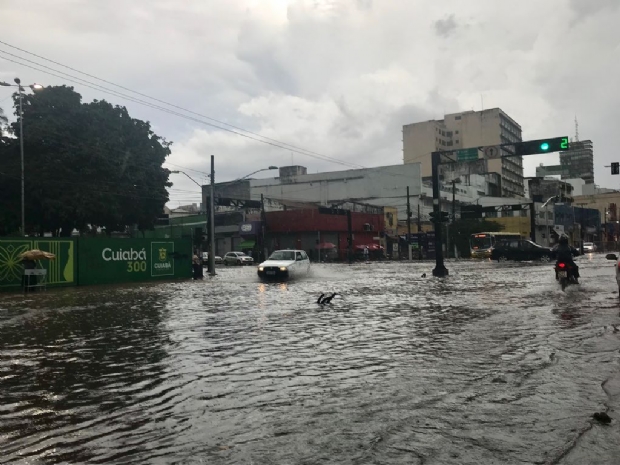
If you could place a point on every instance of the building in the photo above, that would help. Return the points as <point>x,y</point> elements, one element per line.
<point>542,189</point>
<point>608,206</point>
<point>383,186</point>
<point>315,230</point>
<point>578,161</point>
<point>550,170</point>
<point>465,130</point>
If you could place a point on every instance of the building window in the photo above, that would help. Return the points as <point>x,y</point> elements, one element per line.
<point>456,132</point>
<point>456,141</point>
<point>457,117</point>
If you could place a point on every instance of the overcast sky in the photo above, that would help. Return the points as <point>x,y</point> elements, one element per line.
<point>335,77</point>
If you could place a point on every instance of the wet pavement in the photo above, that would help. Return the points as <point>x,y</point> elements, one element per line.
<point>493,365</point>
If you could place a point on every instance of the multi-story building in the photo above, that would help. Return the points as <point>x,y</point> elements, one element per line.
<point>465,130</point>
<point>578,161</point>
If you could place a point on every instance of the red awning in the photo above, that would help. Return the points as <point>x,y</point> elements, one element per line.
<point>325,246</point>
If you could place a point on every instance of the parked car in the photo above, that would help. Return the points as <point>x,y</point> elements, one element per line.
<point>520,250</point>
<point>589,247</point>
<point>237,258</point>
<point>205,258</point>
<point>284,264</point>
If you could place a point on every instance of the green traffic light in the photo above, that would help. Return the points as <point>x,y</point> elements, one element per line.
<point>544,146</point>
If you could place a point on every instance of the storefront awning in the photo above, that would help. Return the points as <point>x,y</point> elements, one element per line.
<point>247,244</point>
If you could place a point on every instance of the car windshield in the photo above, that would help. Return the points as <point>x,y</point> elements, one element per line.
<point>282,255</point>
<point>480,242</point>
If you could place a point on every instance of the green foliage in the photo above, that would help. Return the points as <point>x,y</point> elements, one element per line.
<point>460,231</point>
<point>86,164</point>
<point>3,119</point>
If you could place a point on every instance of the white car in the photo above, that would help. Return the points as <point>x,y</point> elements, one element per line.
<point>284,264</point>
<point>205,258</point>
<point>613,256</point>
<point>589,247</point>
<point>237,258</point>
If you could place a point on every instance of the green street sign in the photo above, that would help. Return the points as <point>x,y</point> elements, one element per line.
<point>467,154</point>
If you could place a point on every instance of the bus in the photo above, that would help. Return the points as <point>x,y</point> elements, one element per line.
<point>481,244</point>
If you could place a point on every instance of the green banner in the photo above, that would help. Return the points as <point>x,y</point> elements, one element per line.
<point>162,263</point>
<point>106,260</point>
<point>60,271</point>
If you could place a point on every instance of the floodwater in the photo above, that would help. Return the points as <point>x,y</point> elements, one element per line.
<point>494,364</point>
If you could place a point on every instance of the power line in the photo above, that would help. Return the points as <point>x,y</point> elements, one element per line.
<point>100,88</point>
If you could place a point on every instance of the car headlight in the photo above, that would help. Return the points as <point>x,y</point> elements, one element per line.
<point>261,268</point>
<point>282,268</point>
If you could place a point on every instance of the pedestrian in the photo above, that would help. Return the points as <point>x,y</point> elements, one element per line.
<point>197,267</point>
<point>366,253</point>
<point>28,280</point>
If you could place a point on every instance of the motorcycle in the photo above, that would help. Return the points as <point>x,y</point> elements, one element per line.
<point>565,275</point>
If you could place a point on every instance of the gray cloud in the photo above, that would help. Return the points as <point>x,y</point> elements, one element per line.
<point>445,27</point>
<point>338,77</point>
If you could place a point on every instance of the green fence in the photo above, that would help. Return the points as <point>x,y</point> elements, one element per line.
<point>60,272</point>
<point>86,261</point>
<point>104,261</point>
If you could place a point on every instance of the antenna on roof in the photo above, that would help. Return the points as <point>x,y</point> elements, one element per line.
<point>576,129</point>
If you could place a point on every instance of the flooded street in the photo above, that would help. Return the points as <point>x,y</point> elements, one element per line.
<point>494,364</point>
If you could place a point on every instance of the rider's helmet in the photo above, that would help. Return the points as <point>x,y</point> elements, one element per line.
<point>563,239</point>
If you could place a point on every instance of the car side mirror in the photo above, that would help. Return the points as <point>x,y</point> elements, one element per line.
<point>611,256</point>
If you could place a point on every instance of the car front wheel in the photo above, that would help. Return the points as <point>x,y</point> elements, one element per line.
<point>545,259</point>
<point>502,258</point>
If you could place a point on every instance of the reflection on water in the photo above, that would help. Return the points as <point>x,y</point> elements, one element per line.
<point>401,369</point>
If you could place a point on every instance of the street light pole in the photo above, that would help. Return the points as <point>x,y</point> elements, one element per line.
<point>212,221</point>
<point>409,226</point>
<point>21,142</point>
<point>545,205</point>
<point>21,149</point>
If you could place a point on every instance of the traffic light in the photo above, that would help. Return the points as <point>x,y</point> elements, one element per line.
<point>530,147</point>
<point>470,212</point>
<point>441,218</point>
<point>615,168</point>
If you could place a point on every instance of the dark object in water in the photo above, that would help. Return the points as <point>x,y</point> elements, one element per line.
<point>423,275</point>
<point>602,417</point>
<point>326,300</point>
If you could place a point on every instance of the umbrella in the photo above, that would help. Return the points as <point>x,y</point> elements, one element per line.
<point>36,254</point>
<point>325,246</point>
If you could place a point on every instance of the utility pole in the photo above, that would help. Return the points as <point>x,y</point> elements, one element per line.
<point>212,221</point>
<point>440,269</point>
<point>533,222</point>
<point>408,225</point>
<point>419,219</point>
<point>350,237</point>
<point>21,149</point>
<point>454,212</point>
<point>263,218</point>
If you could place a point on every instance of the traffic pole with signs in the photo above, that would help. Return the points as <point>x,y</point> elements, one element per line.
<point>531,147</point>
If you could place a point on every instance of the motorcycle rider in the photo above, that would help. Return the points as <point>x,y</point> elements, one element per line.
<point>564,253</point>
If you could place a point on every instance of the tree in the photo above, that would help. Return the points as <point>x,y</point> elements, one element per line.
<point>3,120</point>
<point>461,230</point>
<point>86,164</point>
